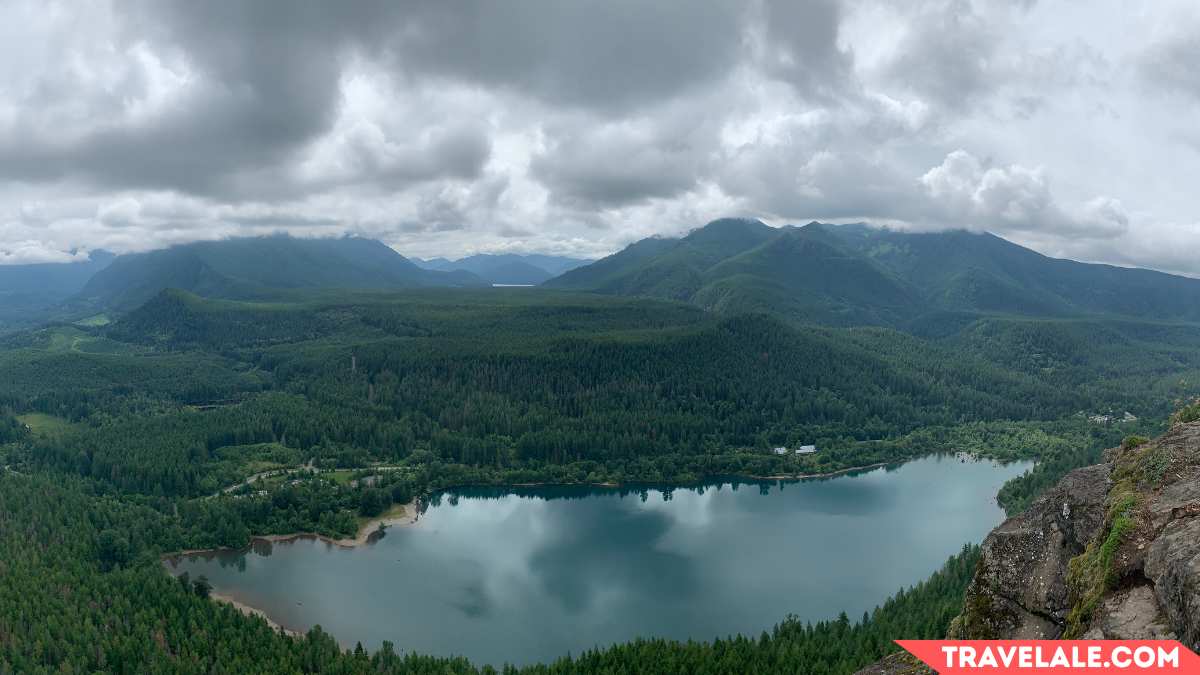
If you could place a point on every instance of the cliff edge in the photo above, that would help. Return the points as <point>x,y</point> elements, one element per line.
<point>1111,552</point>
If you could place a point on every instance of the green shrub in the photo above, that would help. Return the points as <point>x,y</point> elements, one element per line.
<point>1189,413</point>
<point>1132,442</point>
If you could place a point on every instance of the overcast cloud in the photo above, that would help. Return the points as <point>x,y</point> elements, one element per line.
<point>448,128</point>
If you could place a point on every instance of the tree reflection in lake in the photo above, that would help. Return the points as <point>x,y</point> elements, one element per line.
<point>530,574</point>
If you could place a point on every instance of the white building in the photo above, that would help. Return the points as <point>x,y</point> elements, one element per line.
<point>806,449</point>
<point>781,451</point>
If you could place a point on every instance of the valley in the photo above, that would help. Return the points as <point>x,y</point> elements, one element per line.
<point>596,338</point>
<point>532,574</point>
<point>300,416</point>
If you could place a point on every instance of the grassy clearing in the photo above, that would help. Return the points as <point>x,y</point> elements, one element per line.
<point>95,321</point>
<point>340,476</point>
<point>63,339</point>
<point>42,424</point>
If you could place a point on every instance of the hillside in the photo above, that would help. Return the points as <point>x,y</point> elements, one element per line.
<point>984,273</point>
<point>253,267</point>
<point>857,275</point>
<point>537,381</point>
<point>27,292</point>
<point>507,268</point>
<point>186,396</point>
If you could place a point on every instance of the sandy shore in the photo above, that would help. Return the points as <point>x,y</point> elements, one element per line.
<point>252,611</point>
<point>408,514</point>
<point>399,515</point>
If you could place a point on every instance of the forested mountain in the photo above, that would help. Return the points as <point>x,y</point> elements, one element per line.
<point>855,275</point>
<point>131,439</point>
<point>507,268</point>
<point>984,273</point>
<point>118,443</point>
<point>542,381</point>
<point>28,291</point>
<point>253,267</point>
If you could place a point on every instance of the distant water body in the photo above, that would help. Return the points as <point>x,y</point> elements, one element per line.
<point>529,575</point>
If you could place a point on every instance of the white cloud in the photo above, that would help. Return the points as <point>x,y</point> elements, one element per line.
<point>966,192</point>
<point>579,127</point>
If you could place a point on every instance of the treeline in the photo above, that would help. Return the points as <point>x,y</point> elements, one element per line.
<point>82,386</point>
<point>748,382</point>
<point>158,413</point>
<point>528,384</point>
<point>83,591</point>
<point>11,430</point>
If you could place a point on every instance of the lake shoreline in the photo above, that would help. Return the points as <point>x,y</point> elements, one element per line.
<point>408,515</point>
<point>375,525</point>
<point>274,592</point>
<point>830,474</point>
<point>249,610</point>
<point>699,481</point>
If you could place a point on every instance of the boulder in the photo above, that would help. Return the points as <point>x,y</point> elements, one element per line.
<point>1020,587</point>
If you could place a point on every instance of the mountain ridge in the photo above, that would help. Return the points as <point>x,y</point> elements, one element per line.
<point>861,275</point>
<point>249,267</point>
<point>506,268</point>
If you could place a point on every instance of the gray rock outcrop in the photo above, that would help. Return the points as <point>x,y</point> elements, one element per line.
<point>1141,576</point>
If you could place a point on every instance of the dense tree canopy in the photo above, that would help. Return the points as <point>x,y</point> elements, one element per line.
<point>119,444</point>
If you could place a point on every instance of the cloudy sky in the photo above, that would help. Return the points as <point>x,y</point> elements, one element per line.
<point>449,128</point>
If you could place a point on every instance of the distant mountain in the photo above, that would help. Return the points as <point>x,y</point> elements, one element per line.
<point>507,268</point>
<point>961,270</point>
<point>248,268</point>
<point>664,267</point>
<point>855,274</point>
<point>28,292</point>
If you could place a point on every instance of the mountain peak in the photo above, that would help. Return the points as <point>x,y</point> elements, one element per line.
<point>855,274</point>
<point>248,266</point>
<point>726,225</point>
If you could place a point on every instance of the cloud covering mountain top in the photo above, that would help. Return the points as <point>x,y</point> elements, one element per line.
<point>576,128</point>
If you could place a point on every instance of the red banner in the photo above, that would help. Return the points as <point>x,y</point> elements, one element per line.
<point>997,657</point>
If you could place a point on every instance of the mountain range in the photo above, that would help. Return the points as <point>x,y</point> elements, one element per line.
<point>507,268</point>
<point>838,275</point>
<point>240,268</point>
<point>856,274</point>
<point>248,268</point>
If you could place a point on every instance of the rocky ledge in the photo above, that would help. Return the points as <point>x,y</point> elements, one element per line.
<point>1111,552</point>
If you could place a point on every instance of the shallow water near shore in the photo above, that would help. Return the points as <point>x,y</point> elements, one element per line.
<point>531,574</point>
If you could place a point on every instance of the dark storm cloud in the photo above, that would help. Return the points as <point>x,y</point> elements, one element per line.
<point>801,45</point>
<point>609,54</point>
<point>614,165</point>
<point>267,77</point>
<point>577,127</point>
<point>266,82</point>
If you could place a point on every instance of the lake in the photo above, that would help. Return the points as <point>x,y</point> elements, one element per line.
<point>529,575</point>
